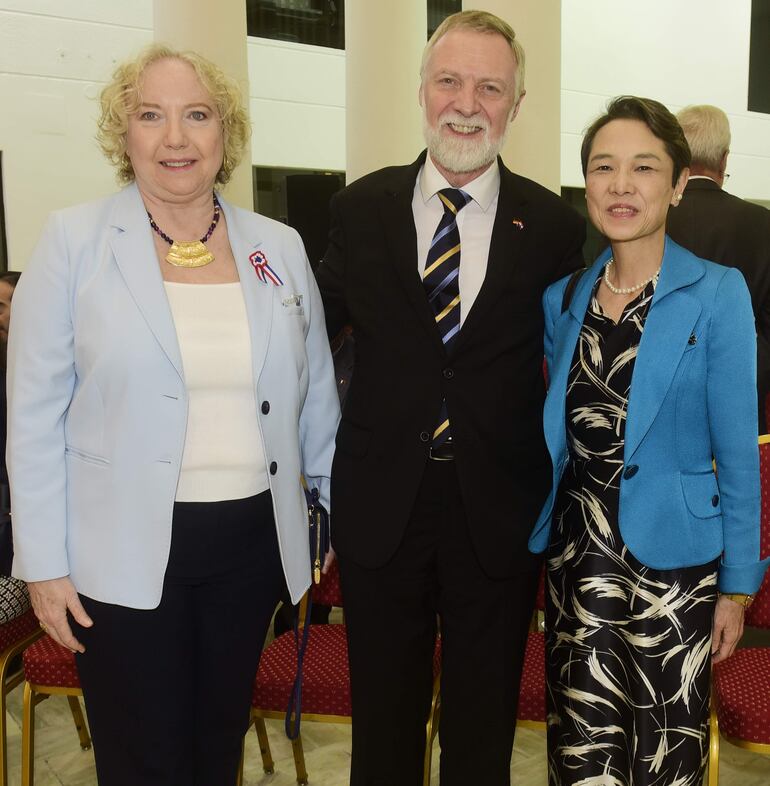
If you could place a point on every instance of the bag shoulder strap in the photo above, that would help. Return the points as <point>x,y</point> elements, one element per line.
<point>569,290</point>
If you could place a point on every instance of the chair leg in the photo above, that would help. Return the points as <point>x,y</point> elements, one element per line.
<point>239,776</point>
<point>80,723</point>
<point>3,730</point>
<point>431,729</point>
<point>713,777</point>
<point>28,737</point>
<point>299,761</point>
<point>264,745</point>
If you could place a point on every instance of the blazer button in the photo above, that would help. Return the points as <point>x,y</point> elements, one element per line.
<point>715,500</point>
<point>631,470</point>
<point>273,467</point>
<point>448,373</point>
<point>424,436</point>
<point>265,407</point>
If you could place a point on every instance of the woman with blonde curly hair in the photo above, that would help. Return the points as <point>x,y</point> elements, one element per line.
<point>170,381</point>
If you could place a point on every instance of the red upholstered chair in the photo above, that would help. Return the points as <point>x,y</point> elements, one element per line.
<point>48,669</point>
<point>740,705</point>
<point>15,636</point>
<point>326,680</point>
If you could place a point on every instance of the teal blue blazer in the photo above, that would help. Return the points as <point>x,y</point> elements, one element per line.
<point>692,399</point>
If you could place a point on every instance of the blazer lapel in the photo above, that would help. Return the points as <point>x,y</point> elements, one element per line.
<point>134,252</point>
<point>259,297</point>
<point>565,335</point>
<point>504,252</point>
<point>669,325</point>
<point>400,237</point>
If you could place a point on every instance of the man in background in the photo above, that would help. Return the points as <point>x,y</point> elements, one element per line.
<point>718,226</point>
<point>441,466</point>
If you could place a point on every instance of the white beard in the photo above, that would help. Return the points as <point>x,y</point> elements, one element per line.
<point>456,154</point>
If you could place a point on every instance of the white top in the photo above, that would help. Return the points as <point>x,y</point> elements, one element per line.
<point>474,222</point>
<point>223,456</point>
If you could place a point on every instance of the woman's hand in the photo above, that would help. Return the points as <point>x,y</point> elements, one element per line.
<point>51,600</point>
<point>727,628</point>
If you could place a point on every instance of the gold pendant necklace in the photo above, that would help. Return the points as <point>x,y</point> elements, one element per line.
<point>189,253</point>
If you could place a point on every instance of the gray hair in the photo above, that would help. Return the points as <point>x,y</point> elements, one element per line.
<point>708,133</point>
<point>480,22</point>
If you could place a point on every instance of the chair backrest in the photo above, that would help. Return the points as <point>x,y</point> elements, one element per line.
<point>758,615</point>
<point>329,591</point>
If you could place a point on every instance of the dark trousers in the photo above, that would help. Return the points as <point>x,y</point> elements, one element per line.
<point>391,621</point>
<point>168,690</point>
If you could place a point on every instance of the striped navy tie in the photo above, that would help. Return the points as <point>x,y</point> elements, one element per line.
<point>442,283</point>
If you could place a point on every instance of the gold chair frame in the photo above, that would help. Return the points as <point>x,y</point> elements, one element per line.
<point>258,717</point>
<point>8,681</point>
<point>33,694</point>
<point>714,733</point>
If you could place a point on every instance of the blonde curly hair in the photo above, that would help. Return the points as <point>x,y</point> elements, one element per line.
<point>122,97</point>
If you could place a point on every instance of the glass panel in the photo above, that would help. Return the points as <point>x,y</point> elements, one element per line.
<point>759,57</point>
<point>299,198</point>
<point>439,10</point>
<point>596,242</point>
<point>318,22</point>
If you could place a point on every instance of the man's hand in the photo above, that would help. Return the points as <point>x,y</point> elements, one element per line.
<point>727,628</point>
<point>51,600</point>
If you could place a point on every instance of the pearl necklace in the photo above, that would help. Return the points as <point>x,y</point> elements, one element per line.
<point>625,290</point>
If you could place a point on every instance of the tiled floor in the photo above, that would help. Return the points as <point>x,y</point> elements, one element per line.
<point>60,762</point>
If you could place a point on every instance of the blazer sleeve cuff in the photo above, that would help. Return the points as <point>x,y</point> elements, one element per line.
<point>745,579</point>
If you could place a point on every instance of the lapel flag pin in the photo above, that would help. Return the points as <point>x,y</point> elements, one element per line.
<point>262,268</point>
<point>692,339</point>
<point>518,223</point>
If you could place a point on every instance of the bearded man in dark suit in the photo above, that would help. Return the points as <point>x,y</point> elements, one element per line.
<point>718,226</point>
<point>441,466</point>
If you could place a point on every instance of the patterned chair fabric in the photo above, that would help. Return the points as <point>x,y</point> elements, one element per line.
<point>48,663</point>
<point>758,614</point>
<point>532,691</point>
<point>17,629</point>
<point>326,678</point>
<point>743,688</point>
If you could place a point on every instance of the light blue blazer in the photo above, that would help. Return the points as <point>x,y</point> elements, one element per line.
<point>98,404</point>
<point>693,397</point>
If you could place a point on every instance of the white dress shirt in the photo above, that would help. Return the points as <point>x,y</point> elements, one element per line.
<point>474,222</point>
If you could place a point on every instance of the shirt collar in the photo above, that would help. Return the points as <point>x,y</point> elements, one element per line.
<point>482,189</point>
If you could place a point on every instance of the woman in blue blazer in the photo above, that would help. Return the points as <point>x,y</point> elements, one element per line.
<point>170,381</point>
<point>651,555</point>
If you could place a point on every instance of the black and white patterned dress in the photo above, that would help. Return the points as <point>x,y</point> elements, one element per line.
<point>628,647</point>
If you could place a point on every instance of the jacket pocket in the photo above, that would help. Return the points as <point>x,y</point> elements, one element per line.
<point>89,457</point>
<point>701,493</point>
<point>353,439</point>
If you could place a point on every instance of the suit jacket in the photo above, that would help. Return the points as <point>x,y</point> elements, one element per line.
<point>492,380</point>
<point>98,404</point>
<point>721,227</point>
<point>692,397</point>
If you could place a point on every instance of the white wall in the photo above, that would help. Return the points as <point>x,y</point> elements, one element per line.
<point>677,51</point>
<point>56,54</point>
<point>53,55</point>
<point>297,105</point>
